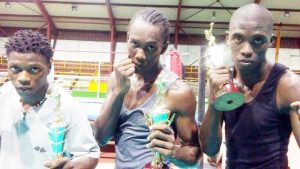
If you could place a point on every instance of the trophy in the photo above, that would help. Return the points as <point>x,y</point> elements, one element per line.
<point>228,97</point>
<point>158,115</point>
<point>57,128</point>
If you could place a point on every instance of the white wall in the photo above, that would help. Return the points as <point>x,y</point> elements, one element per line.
<point>82,50</point>
<point>288,57</point>
<point>2,44</point>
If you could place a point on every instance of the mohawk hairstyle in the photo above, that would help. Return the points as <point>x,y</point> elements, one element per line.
<point>28,41</point>
<point>154,17</point>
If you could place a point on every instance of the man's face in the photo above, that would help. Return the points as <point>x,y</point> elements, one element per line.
<point>145,45</point>
<point>27,72</point>
<point>249,41</point>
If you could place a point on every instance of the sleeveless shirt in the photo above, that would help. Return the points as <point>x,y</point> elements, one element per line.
<point>257,134</point>
<point>132,132</point>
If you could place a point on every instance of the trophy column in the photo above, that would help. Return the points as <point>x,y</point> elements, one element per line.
<point>228,97</point>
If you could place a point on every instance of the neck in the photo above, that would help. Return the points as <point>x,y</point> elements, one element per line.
<point>36,98</point>
<point>150,76</point>
<point>252,75</point>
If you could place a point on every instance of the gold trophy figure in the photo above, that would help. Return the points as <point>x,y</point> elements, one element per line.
<point>158,115</point>
<point>57,128</point>
<point>228,97</point>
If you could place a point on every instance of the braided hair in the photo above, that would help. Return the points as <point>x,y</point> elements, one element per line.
<point>154,17</point>
<point>28,41</point>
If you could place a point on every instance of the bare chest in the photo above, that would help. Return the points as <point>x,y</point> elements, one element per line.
<point>136,98</point>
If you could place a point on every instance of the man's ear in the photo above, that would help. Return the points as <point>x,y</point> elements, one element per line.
<point>165,47</point>
<point>50,64</point>
<point>227,37</point>
<point>272,40</point>
<point>127,36</point>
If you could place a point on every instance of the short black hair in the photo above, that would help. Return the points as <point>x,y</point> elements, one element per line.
<point>28,41</point>
<point>154,17</point>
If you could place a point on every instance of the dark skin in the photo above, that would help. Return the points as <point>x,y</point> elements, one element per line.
<point>28,74</point>
<point>249,38</point>
<point>145,44</point>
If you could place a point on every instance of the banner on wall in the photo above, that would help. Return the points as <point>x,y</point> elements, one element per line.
<point>175,62</point>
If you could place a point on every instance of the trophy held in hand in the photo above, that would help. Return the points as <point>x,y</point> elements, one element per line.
<point>228,97</point>
<point>159,115</point>
<point>57,128</point>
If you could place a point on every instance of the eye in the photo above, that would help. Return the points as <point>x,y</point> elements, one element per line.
<point>237,39</point>
<point>15,69</point>
<point>150,48</point>
<point>34,70</point>
<point>258,41</point>
<point>134,44</point>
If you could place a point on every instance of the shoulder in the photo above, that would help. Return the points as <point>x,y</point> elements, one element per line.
<point>288,89</point>
<point>180,88</point>
<point>181,98</point>
<point>6,89</point>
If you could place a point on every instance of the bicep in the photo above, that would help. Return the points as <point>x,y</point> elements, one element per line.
<point>288,92</point>
<point>184,104</point>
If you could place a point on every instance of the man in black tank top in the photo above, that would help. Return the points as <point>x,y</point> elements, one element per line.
<point>257,133</point>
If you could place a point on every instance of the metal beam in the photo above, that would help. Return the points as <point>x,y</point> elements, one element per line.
<point>201,24</point>
<point>51,26</point>
<point>177,23</point>
<point>152,5</point>
<point>113,34</point>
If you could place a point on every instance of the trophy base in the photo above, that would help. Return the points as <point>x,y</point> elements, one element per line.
<point>229,101</point>
<point>148,166</point>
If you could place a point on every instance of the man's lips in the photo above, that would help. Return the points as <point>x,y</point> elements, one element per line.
<point>24,88</point>
<point>246,61</point>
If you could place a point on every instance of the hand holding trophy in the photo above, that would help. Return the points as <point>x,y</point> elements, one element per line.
<point>158,115</point>
<point>228,97</point>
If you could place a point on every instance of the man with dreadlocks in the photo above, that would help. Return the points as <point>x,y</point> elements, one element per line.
<point>132,92</point>
<point>26,110</point>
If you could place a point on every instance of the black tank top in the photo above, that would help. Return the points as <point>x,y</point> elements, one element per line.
<point>257,134</point>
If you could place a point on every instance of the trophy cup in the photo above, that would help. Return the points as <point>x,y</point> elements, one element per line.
<point>228,97</point>
<point>57,128</point>
<point>159,115</point>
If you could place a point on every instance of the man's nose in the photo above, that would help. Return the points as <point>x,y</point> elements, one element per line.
<point>24,78</point>
<point>247,49</point>
<point>140,54</point>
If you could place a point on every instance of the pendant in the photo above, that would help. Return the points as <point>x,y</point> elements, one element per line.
<point>21,127</point>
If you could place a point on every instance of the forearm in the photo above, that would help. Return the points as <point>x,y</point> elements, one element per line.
<point>211,133</point>
<point>185,156</point>
<point>85,163</point>
<point>295,121</point>
<point>106,123</point>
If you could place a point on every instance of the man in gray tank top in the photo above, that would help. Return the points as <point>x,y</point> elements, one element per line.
<point>132,92</point>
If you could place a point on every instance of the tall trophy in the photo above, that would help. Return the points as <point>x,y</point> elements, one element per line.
<point>158,115</point>
<point>57,128</point>
<point>228,97</point>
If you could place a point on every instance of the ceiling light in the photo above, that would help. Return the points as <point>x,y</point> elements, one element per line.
<point>286,13</point>
<point>74,8</point>
<point>213,15</point>
<point>7,5</point>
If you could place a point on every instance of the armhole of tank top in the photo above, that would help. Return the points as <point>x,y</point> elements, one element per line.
<point>274,100</point>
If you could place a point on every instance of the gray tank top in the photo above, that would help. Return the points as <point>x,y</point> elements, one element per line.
<point>132,132</point>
